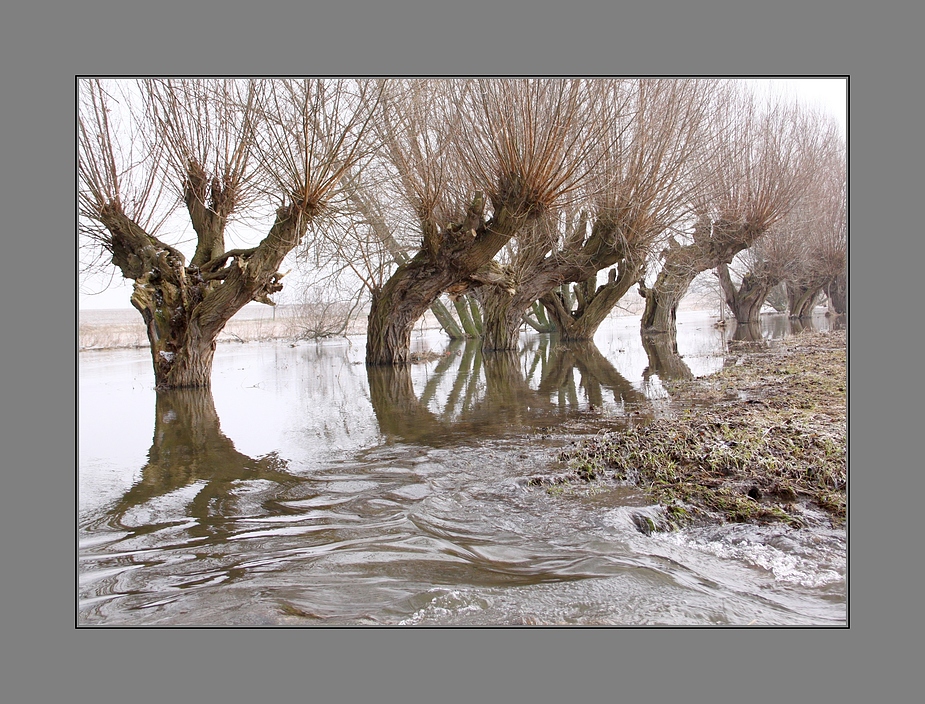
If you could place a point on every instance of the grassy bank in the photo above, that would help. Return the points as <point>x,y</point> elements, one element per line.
<point>763,440</point>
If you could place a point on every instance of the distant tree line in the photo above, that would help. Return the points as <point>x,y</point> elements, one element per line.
<point>493,203</point>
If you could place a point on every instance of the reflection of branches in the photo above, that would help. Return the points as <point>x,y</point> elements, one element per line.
<point>492,392</point>
<point>190,448</point>
<point>596,372</point>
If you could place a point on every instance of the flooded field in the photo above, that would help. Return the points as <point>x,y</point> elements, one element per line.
<point>304,489</point>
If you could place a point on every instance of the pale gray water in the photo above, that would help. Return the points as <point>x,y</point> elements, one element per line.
<point>303,490</point>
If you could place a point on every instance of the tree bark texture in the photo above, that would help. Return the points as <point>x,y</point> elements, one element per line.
<point>838,294</point>
<point>579,260</point>
<point>802,298</point>
<point>380,227</point>
<point>455,260</point>
<point>184,308</point>
<point>746,301</point>
<point>594,304</point>
<point>502,315</point>
<point>713,244</point>
<point>537,319</point>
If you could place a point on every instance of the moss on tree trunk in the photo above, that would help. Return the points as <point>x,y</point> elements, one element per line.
<point>802,298</point>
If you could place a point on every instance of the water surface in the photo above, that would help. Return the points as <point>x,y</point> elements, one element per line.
<point>304,489</point>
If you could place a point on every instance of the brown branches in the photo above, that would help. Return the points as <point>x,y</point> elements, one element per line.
<point>311,133</point>
<point>206,127</point>
<point>223,146</point>
<point>529,142</point>
<point>761,160</point>
<point>115,176</point>
<point>416,123</point>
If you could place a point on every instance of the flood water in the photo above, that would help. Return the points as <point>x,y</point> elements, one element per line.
<point>304,489</point>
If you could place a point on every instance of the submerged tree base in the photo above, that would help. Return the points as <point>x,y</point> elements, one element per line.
<point>763,440</point>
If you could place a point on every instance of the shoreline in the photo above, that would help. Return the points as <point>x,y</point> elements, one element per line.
<point>123,328</point>
<point>763,440</point>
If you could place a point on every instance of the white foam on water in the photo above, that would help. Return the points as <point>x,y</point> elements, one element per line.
<point>447,604</point>
<point>785,567</point>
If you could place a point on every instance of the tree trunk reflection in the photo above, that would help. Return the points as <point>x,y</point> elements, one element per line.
<point>596,371</point>
<point>485,394</point>
<point>664,359</point>
<point>188,448</point>
<point>749,331</point>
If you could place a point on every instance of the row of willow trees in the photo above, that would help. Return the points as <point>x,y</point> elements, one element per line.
<point>490,202</point>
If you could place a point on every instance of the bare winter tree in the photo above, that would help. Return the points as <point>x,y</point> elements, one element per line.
<point>644,187</point>
<point>224,148</point>
<point>824,264</point>
<point>477,162</point>
<point>378,235</point>
<point>763,266</point>
<point>807,246</point>
<point>755,170</point>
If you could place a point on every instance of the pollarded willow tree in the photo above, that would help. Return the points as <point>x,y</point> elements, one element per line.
<point>824,264</point>
<point>645,183</point>
<point>223,149</point>
<point>411,174</point>
<point>476,162</point>
<point>761,267</point>
<point>807,246</point>
<point>754,171</point>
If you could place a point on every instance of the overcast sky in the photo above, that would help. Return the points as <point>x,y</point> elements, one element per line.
<point>828,94</point>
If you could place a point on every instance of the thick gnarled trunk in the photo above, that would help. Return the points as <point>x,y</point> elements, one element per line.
<point>502,316</point>
<point>661,311</point>
<point>838,294</point>
<point>455,260</point>
<point>593,304</point>
<point>714,243</point>
<point>802,298</point>
<point>746,301</point>
<point>184,308</point>
<point>398,305</point>
<point>506,310</point>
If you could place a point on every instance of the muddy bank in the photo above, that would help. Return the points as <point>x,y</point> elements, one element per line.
<point>763,440</point>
